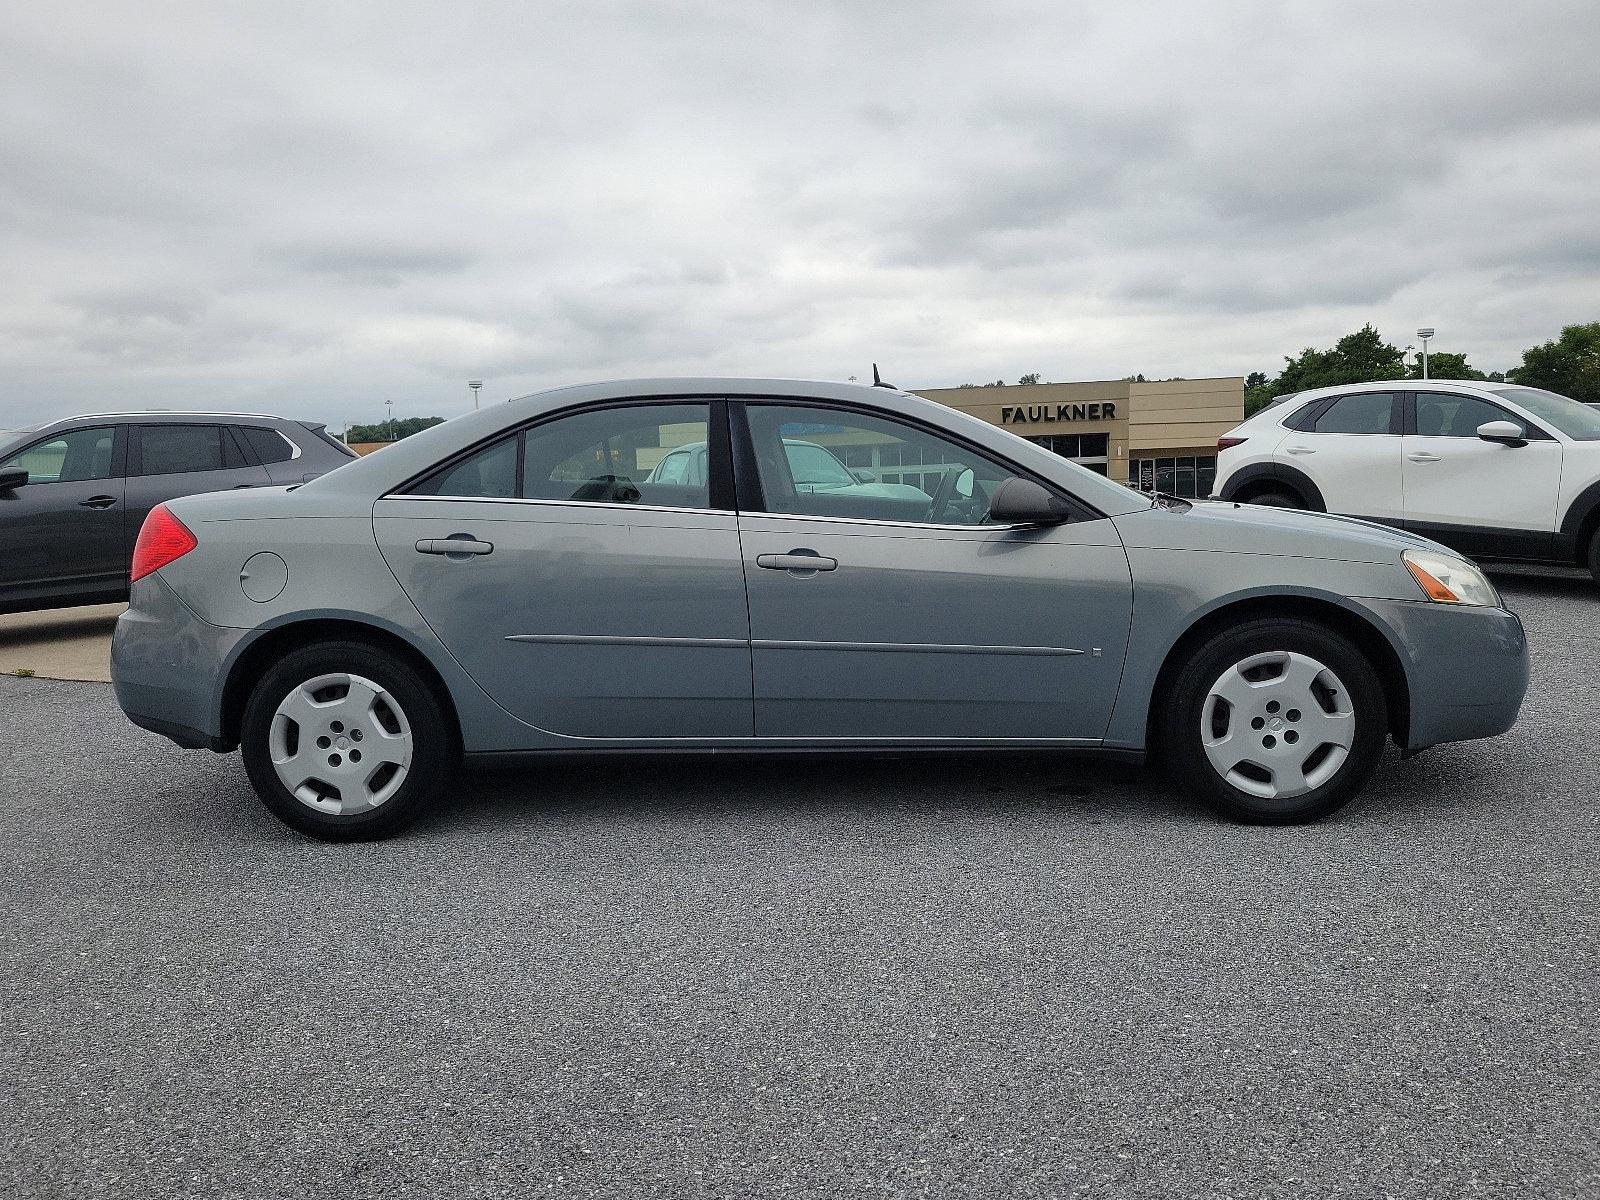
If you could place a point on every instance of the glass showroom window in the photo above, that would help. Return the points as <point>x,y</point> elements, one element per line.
<point>1090,450</point>
<point>1189,475</point>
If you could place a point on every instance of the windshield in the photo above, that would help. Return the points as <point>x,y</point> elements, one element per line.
<point>1578,421</point>
<point>813,466</point>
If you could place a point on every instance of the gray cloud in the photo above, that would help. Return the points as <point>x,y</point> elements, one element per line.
<point>317,213</point>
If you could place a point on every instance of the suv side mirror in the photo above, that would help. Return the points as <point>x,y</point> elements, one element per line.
<point>1506,433</point>
<point>862,475</point>
<point>12,478</point>
<point>1024,502</point>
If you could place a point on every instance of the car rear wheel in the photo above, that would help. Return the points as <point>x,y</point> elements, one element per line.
<point>1276,500</point>
<point>345,742</point>
<point>1276,722</point>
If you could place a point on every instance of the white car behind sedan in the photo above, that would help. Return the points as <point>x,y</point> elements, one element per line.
<point>1495,470</point>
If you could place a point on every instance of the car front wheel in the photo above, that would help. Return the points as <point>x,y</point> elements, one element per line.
<point>345,742</point>
<point>1276,721</point>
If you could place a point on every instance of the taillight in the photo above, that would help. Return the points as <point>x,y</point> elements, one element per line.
<point>162,539</point>
<point>1228,443</point>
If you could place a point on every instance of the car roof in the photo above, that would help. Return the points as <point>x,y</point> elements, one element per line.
<point>376,474</point>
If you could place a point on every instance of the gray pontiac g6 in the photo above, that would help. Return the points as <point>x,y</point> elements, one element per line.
<point>536,579</point>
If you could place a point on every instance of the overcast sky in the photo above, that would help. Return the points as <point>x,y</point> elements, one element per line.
<point>314,208</point>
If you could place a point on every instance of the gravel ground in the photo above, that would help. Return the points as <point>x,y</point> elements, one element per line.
<point>987,977</point>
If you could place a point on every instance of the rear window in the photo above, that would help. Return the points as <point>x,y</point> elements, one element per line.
<point>270,446</point>
<point>1364,412</point>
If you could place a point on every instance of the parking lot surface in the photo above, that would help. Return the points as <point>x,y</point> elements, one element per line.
<point>974,977</point>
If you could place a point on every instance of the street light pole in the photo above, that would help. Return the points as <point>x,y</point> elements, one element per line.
<point>474,384</point>
<point>1425,334</point>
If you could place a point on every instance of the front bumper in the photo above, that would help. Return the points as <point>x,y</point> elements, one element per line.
<point>169,666</point>
<point>1466,668</point>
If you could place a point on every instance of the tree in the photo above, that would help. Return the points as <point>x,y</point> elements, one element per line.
<point>391,430</point>
<point>1569,365</point>
<point>1029,380</point>
<point>1444,365</point>
<point>1357,357</point>
<point>1255,379</point>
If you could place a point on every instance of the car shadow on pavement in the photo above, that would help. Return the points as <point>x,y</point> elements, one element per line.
<point>1552,584</point>
<point>44,628</point>
<point>701,787</point>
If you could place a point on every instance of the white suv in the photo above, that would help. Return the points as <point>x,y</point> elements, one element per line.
<point>1495,470</point>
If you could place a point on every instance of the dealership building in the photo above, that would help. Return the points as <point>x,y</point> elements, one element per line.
<point>1152,435</point>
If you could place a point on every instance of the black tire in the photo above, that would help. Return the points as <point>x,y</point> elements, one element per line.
<point>1277,500</point>
<point>1184,704</point>
<point>433,747</point>
<point>1594,555</point>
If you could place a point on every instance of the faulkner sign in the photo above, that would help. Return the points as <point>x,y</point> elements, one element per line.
<point>1030,413</point>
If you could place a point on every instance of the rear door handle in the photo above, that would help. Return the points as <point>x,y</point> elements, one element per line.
<point>452,546</point>
<point>97,502</point>
<point>1422,456</point>
<point>808,561</point>
<point>1301,449</point>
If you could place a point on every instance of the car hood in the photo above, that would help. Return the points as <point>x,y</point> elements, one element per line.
<point>1221,526</point>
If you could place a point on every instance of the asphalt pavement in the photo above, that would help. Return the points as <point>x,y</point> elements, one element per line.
<point>974,977</point>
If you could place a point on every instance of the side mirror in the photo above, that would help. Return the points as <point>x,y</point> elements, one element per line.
<point>965,482</point>
<point>12,478</point>
<point>862,475</point>
<point>1024,502</point>
<point>1505,433</point>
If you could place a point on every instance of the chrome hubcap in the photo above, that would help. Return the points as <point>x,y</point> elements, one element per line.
<point>1277,725</point>
<point>340,744</point>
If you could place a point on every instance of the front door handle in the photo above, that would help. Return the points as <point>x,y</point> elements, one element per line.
<point>803,561</point>
<point>1302,450</point>
<point>97,502</point>
<point>1422,456</point>
<point>456,544</point>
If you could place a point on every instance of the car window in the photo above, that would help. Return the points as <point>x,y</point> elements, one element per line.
<point>1580,422</point>
<point>811,466</point>
<point>270,446</point>
<point>607,455</point>
<point>1442,415</point>
<point>839,463</point>
<point>183,449</point>
<point>1364,412</point>
<point>70,458</point>
<point>674,468</point>
<point>491,473</point>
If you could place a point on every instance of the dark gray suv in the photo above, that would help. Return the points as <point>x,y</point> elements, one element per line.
<point>73,493</point>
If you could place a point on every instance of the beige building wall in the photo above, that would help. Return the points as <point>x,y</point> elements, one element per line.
<point>1174,417</point>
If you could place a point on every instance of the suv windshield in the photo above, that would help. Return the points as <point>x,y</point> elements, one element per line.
<point>1578,421</point>
<point>812,466</point>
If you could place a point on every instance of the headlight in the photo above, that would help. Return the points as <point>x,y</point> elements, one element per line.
<point>1450,580</point>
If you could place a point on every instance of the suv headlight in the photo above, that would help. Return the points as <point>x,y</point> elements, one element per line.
<point>1450,580</point>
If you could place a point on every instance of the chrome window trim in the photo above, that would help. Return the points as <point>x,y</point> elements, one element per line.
<point>885,524</point>
<point>293,445</point>
<point>590,504</point>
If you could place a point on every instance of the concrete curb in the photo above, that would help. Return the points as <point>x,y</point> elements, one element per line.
<point>62,643</point>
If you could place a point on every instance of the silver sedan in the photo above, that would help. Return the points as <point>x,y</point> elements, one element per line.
<point>523,582</point>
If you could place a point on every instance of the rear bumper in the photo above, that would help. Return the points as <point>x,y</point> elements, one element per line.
<point>168,667</point>
<point>1466,669</point>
